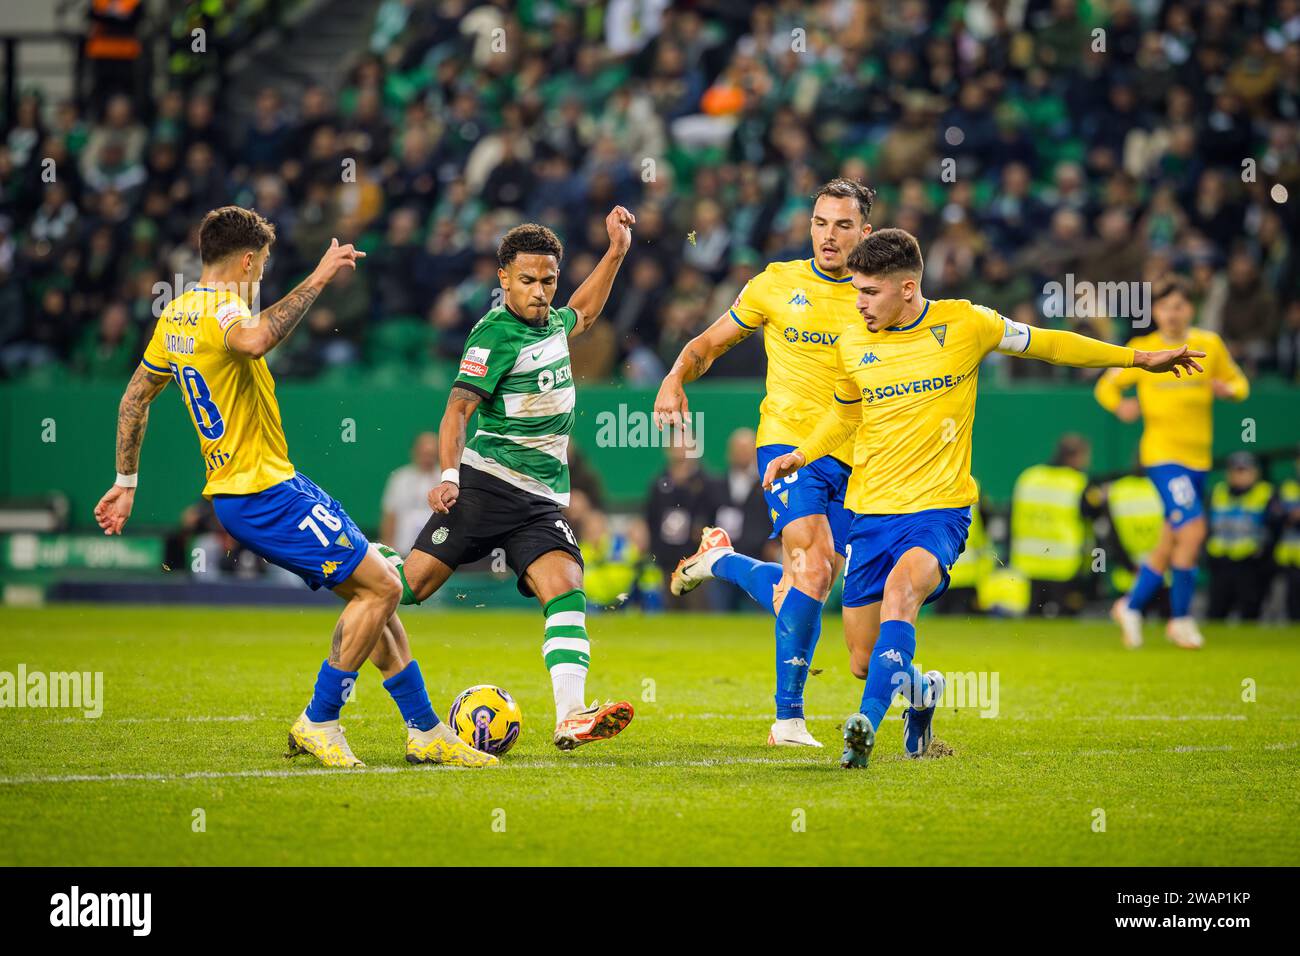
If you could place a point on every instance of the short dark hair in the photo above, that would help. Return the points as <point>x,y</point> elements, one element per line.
<point>529,239</point>
<point>1171,284</point>
<point>887,251</point>
<point>232,229</point>
<point>849,189</point>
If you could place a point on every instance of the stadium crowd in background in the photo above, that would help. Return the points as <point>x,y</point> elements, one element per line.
<point>1158,143</point>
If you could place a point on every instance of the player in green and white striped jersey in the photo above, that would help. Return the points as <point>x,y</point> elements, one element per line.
<point>505,486</point>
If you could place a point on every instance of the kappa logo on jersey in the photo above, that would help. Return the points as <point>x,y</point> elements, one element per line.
<point>799,299</point>
<point>475,362</point>
<point>940,332</point>
<point>329,567</point>
<point>893,655</point>
<point>869,358</point>
<point>794,337</point>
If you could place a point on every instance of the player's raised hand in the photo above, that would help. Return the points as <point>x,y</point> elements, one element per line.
<point>779,468</point>
<point>114,508</point>
<point>1178,361</point>
<point>670,405</point>
<point>338,257</point>
<point>619,225</point>
<point>442,497</point>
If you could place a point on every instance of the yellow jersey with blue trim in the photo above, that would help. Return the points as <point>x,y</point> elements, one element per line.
<point>230,397</point>
<point>1177,413</point>
<point>802,312</point>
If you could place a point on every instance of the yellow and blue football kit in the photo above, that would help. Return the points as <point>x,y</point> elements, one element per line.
<point>1177,419</point>
<point>909,394</point>
<point>802,312</point>
<point>256,493</point>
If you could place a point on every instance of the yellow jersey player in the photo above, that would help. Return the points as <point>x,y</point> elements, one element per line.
<point>214,349</point>
<point>1176,452</point>
<point>908,373</point>
<point>801,308</point>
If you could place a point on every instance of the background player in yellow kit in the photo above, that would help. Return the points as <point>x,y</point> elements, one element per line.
<point>1176,451</point>
<point>801,307</point>
<point>907,389</point>
<point>209,343</point>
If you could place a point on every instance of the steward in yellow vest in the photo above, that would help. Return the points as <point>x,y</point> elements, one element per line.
<point>1050,525</point>
<point>1287,553</point>
<point>1137,515</point>
<point>1238,546</point>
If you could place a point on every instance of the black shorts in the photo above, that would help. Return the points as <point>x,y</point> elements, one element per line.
<point>492,514</point>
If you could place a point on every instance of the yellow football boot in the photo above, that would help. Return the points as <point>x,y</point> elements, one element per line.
<point>324,741</point>
<point>440,745</point>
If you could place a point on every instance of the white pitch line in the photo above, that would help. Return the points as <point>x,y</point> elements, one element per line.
<point>549,765</point>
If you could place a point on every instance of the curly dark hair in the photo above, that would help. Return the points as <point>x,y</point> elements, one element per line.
<point>529,239</point>
<point>230,230</point>
<point>849,189</point>
<point>886,251</point>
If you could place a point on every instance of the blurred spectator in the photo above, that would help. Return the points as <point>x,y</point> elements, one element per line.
<point>405,506</point>
<point>680,503</point>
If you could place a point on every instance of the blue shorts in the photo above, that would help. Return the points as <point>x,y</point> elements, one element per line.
<point>1182,490</point>
<point>299,527</point>
<point>816,489</point>
<point>876,542</point>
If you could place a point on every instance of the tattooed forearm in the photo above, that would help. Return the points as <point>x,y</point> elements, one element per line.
<point>455,421</point>
<point>281,318</point>
<point>133,417</point>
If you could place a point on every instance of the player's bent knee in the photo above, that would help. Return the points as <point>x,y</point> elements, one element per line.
<point>859,665</point>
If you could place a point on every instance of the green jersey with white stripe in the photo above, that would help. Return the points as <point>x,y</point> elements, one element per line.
<point>523,375</point>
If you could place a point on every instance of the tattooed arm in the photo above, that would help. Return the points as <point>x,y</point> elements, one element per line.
<point>451,443</point>
<point>700,353</point>
<point>132,418</point>
<point>272,326</point>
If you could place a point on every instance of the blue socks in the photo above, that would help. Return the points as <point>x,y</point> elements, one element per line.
<point>407,690</point>
<point>1180,594</point>
<point>332,689</point>
<point>1145,588</point>
<point>798,625</point>
<point>756,578</point>
<point>890,670</point>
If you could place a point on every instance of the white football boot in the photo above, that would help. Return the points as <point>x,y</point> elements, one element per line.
<point>792,732</point>
<point>694,570</point>
<point>1183,632</point>
<point>1129,621</point>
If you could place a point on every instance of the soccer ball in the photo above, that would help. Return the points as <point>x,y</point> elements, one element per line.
<point>486,718</point>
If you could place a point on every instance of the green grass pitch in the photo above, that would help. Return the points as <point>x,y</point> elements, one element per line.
<point>1096,755</point>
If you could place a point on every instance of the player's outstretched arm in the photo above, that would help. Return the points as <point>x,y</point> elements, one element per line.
<point>1070,348</point>
<point>451,444</point>
<point>272,326</point>
<point>132,419</point>
<point>589,299</point>
<point>696,356</point>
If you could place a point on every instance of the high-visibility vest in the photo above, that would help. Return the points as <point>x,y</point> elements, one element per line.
<point>1287,552</point>
<point>1004,591</point>
<point>1238,522</point>
<point>976,561</point>
<point>1047,527</point>
<point>1138,516</point>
